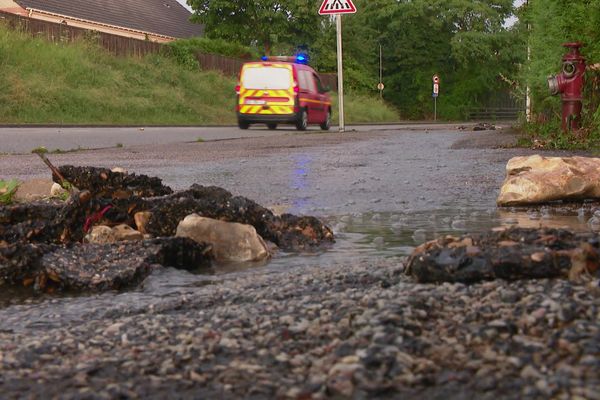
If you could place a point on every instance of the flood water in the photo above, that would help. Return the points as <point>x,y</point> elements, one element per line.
<point>359,237</point>
<point>382,197</point>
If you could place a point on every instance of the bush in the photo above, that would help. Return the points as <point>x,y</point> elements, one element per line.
<point>7,190</point>
<point>184,51</point>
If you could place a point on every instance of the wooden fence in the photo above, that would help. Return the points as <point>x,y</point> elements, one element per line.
<point>227,65</point>
<point>124,46</point>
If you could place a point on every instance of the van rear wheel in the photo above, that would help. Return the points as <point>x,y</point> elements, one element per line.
<point>243,125</point>
<point>302,122</point>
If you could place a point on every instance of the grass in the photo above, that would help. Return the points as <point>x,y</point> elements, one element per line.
<point>549,135</point>
<point>360,108</point>
<point>46,83</point>
<point>7,190</point>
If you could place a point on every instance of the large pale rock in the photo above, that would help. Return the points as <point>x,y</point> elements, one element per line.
<point>231,242</point>
<point>537,179</point>
<point>35,189</point>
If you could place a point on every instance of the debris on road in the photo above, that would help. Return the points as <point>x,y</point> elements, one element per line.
<point>46,244</point>
<point>510,254</point>
<point>482,126</point>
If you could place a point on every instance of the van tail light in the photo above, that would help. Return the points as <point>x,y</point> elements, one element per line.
<point>296,88</point>
<point>237,89</point>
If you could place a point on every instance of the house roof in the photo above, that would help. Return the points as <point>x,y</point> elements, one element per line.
<point>164,17</point>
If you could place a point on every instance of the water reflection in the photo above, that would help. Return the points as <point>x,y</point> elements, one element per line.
<point>359,237</point>
<point>392,234</point>
<point>299,181</point>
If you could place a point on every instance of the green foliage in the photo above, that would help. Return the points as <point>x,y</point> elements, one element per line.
<point>362,108</point>
<point>80,83</point>
<point>553,23</point>
<point>464,42</point>
<point>39,150</point>
<point>7,190</point>
<point>264,23</point>
<point>185,50</point>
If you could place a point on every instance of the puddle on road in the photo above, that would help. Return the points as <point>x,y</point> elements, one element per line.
<point>397,234</point>
<point>358,237</point>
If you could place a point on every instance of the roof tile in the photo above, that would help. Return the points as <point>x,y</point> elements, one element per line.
<point>164,17</point>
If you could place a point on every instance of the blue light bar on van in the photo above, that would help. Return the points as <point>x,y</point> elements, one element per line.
<point>298,59</point>
<point>302,59</point>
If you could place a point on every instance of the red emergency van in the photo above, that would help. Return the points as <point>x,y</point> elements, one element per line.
<point>282,90</point>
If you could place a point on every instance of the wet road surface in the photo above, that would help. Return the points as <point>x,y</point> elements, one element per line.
<point>21,140</point>
<point>383,192</point>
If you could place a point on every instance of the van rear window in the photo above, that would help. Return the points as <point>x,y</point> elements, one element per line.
<point>267,78</point>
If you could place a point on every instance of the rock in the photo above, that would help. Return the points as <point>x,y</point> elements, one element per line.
<point>106,183</point>
<point>100,267</point>
<point>125,232</point>
<point>484,126</point>
<point>511,254</point>
<point>537,179</point>
<point>288,232</point>
<point>33,190</point>
<point>141,221</point>
<point>57,191</point>
<point>231,241</point>
<point>101,234</point>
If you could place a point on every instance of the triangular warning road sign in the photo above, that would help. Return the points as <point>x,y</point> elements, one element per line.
<point>337,7</point>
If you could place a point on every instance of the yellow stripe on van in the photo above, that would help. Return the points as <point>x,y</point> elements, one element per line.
<point>286,107</point>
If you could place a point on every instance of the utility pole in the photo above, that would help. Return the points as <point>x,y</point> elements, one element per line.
<point>337,8</point>
<point>528,89</point>
<point>380,71</point>
<point>338,24</point>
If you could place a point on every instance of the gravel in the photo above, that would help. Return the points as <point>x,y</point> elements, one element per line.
<point>349,331</point>
<point>357,328</point>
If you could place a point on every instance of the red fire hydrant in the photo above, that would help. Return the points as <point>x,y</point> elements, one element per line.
<point>569,83</point>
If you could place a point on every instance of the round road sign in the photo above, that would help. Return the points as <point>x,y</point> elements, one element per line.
<point>436,79</point>
<point>380,86</point>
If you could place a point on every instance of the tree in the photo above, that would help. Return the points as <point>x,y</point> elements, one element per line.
<point>464,41</point>
<point>258,23</point>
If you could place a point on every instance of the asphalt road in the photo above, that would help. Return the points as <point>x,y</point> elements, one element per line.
<point>345,323</point>
<point>21,140</point>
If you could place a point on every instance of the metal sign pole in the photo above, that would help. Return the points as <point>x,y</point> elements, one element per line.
<point>338,23</point>
<point>435,109</point>
<point>380,70</point>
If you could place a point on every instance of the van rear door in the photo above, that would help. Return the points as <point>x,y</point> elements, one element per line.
<point>267,89</point>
